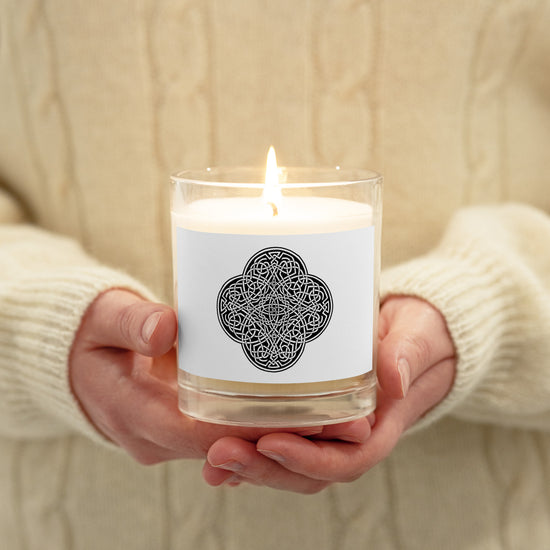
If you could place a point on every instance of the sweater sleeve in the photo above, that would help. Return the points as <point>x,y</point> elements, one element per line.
<point>46,284</point>
<point>490,278</point>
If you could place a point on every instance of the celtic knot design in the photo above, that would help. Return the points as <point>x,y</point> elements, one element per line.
<point>274,308</point>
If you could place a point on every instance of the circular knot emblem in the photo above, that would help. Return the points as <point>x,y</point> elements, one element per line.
<point>274,308</point>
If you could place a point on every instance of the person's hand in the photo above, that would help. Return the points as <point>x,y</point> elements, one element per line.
<point>122,370</point>
<point>416,367</point>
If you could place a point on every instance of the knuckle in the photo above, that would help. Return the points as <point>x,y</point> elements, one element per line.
<point>353,476</point>
<point>145,458</point>
<point>420,347</point>
<point>345,475</point>
<point>140,376</point>
<point>127,323</point>
<point>113,422</point>
<point>393,427</point>
<point>113,425</point>
<point>349,476</point>
<point>314,488</point>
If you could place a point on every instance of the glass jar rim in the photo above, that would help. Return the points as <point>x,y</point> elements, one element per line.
<point>292,177</point>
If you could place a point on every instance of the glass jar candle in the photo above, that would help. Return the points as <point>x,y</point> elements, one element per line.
<point>276,284</point>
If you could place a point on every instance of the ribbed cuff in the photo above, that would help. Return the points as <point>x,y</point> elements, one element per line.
<point>38,322</point>
<point>473,295</point>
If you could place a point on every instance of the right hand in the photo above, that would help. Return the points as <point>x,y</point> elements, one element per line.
<point>416,369</point>
<point>123,372</point>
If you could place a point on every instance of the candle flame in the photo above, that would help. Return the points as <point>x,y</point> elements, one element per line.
<point>272,190</point>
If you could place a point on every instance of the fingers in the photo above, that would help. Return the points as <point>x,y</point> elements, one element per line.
<point>232,460</point>
<point>287,462</point>
<point>143,416</point>
<point>428,390</point>
<point>356,431</point>
<point>329,461</point>
<point>413,337</point>
<point>121,319</point>
<point>336,461</point>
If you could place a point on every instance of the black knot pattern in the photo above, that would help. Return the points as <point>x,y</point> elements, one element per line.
<point>274,308</point>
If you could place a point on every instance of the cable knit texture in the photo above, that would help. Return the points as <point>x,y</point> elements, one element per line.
<point>47,284</point>
<point>102,100</point>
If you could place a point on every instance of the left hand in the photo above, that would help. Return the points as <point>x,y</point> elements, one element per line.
<point>122,370</point>
<point>416,367</point>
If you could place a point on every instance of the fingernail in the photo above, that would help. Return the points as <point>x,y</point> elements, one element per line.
<point>273,456</point>
<point>310,431</point>
<point>233,481</point>
<point>150,326</point>
<point>231,465</point>
<point>404,374</point>
<point>350,438</point>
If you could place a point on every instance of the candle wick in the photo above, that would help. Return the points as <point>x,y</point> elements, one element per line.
<point>275,210</point>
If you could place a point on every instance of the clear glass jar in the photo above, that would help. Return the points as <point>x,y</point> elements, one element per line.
<point>277,294</point>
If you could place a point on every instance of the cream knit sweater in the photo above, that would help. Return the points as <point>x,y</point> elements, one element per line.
<point>101,99</point>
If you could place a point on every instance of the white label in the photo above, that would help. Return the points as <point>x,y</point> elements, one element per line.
<point>275,308</point>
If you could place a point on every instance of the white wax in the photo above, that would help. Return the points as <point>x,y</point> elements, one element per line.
<point>295,216</point>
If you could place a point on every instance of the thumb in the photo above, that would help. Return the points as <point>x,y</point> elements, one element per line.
<point>415,338</point>
<point>121,319</point>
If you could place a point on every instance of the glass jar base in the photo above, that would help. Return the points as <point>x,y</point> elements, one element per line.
<point>278,410</point>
